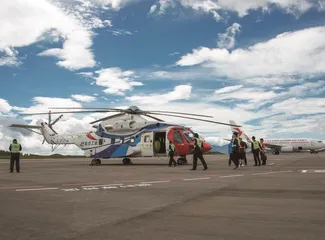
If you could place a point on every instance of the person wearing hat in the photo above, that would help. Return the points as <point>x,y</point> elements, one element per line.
<point>235,149</point>
<point>256,147</point>
<point>15,149</point>
<point>198,144</point>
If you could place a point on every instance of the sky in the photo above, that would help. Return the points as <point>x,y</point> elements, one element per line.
<point>260,63</point>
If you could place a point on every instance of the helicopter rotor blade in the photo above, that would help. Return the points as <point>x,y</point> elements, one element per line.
<point>109,117</point>
<point>198,119</point>
<point>198,115</point>
<point>158,119</point>
<point>30,114</point>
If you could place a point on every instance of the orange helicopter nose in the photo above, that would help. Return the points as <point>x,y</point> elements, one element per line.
<point>206,147</point>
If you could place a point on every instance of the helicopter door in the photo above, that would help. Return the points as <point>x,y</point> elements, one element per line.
<point>147,144</point>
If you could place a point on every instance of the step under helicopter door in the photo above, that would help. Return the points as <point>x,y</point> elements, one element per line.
<point>147,144</point>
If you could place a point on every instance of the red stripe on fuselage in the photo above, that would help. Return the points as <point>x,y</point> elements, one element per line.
<point>90,137</point>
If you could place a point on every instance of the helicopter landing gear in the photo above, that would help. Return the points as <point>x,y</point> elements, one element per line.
<point>127,161</point>
<point>95,162</point>
<point>182,161</point>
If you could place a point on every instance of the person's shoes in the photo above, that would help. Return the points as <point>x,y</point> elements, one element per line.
<point>205,168</point>
<point>192,169</point>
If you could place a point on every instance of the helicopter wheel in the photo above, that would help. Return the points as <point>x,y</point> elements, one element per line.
<point>183,158</point>
<point>127,161</point>
<point>181,161</point>
<point>95,162</point>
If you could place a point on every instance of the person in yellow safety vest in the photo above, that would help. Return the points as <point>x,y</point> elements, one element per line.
<point>198,144</point>
<point>15,149</point>
<point>256,147</point>
<point>172,150</point>
<point>235,149</point>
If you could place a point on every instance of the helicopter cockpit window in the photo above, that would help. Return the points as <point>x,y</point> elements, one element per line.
<point>178,137</point>
<point>100,141</point>
<point>189,136</point>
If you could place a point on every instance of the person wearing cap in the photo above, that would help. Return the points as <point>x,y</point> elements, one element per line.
<point>235,149</point>
<point>256,147</point>
<point>198,144</point>
<point>15,149</point>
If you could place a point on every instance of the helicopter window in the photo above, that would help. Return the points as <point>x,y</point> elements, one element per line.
<point>320,141</point>
<point>146,138</point>
<point>100,142</point>
<point>188,136</point>
<point>178,137</point>
<point>112,140</point>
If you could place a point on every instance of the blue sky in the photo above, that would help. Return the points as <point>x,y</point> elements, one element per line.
<point>257,63</point>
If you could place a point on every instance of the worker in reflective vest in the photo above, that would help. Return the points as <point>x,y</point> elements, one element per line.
<point>198,144</point>
<point>15,149</point>
<point>172,150</point>
<point>255,146</point>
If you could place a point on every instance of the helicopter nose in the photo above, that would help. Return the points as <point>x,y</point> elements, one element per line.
<point>206,147</point>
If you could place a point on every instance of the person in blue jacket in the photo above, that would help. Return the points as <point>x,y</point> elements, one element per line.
<point>230,152</point>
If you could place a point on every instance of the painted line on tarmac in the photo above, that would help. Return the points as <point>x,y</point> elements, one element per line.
<point>113,184</point>
<point>35,189</point>
<point>78,184</point>
<point>239,175</point>
<point>156,182</point>
<point>126,181</point>
<point>193,179</point>
<point>172,178</point>
<point>17,187</point>
<point>313,171</point>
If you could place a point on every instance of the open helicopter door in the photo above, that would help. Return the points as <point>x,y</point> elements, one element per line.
<point>147,144</point>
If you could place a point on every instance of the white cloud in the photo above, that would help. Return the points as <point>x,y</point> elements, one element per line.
<point>227,39</point>
<point>25,21</point>
<point>300,106</point>
<point>43,104</point>
<point>9,57</point>
<point>219,141</point>
<point>4,106</point>
<point>277,57</point>
<point>120,32</point>
<point>83,98</point>
<point>242,8</point>
<point>116,80</point>
<point>152,9</point>
<point>228,89</point>
<point>179,93</point>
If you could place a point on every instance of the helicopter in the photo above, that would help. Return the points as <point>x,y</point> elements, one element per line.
<point>125,134</point>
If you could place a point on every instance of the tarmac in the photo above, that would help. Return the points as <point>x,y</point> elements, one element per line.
<point>68,199</point>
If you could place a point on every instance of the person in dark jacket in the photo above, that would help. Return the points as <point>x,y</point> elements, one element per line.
<point>172,150</point>
<point>242,149</point>
<point>235,149</point>
<point>230,153</point>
